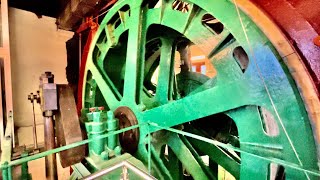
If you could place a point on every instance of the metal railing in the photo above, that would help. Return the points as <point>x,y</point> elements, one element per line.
<point>6,165</point>
<point>125,165</point>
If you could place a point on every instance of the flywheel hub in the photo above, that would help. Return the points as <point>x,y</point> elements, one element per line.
<point>129,140</point>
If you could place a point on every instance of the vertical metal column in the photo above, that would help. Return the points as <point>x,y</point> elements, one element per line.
<point>51,163</point>
<point>5,54</point>
<point>48,103</point>
<point>1,110</point>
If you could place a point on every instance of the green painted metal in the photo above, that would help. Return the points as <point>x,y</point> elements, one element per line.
<point>24,168</point>
<point>62,148</point>
<point>112,126</point>
<point>137,37</point>
<point>6,167</point>
<point>96,125</point>
<point>5,173</point>
<point>236,149</point>
<point>124,55</point>
<point>10,173</point>
<point>201,139</point>
<point>79,171</point>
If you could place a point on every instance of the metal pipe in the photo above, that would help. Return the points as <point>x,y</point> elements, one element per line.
<point>149,150</point>
<point>34,126</point>
<point>46,153</point>
<point>80,50</point>
<point>103,172</point>
<point>51,163</point>
<point>236,149</point>
<point>125,175</point>
<point>138,171</point>
<point>9,173</point>
<point>5,171</point>
<point>70,146</point>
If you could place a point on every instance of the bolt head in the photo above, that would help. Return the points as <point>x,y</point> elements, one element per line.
<point>101,108</point>
<point>93,109</point>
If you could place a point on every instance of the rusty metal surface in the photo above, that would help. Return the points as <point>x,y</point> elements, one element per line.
<point>19,150</point>
<point>93,29</point>
<point>316,41</point>
<point>300,21</point>
<point>68,127</point>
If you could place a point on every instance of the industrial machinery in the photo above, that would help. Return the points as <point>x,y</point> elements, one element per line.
<point>146,111</point>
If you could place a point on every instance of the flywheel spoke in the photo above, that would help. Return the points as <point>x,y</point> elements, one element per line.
<point>108,92</point>
<point>212,101</point>
<point>173,164</point>
<point>135,55</point>
<point>196,155</point>
<point>186,157</point>
<point>166,71</point>
<point>217,155</point>
<point>157,163</point>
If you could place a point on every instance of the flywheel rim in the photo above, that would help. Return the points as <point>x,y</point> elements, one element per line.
<point>135,105</point>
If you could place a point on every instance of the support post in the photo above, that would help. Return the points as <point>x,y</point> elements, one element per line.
<point>5,55</point>
<point>51,163</point>
<point>24,168</point>
<point>5,172</point>
<point>48,103</point>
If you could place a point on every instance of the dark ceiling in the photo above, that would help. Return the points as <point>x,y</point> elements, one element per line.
<point>50,8</point>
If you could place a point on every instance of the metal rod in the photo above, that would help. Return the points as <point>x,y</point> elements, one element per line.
<point>149,150</point>
<point>138,171</point>
<point>103,172</point>
<point>5,172</point>
<point>70,146</point>
<point>6,145</point>
<point>34,126</point>
<point>125,175</point>
<point>80,51</point>
<point>1,108</point>
<point>10,173</point>
<point>230,147</point>
<point>51,163</point>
